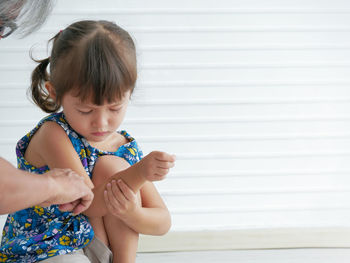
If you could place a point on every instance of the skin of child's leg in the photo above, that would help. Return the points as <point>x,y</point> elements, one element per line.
<point>113,232</point>
<point>123,240</point>
<point>97,222</point>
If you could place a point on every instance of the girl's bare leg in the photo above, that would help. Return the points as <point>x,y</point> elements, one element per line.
<point>122,239</point>
<point>112,231</point>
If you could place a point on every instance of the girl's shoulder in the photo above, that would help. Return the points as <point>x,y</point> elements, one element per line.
<point>50,129</point>
<point>48,135</point>
<point>54,128</point>
<point>52,123</point>
<point>56,121</point>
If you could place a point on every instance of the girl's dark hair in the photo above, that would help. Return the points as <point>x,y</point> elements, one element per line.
<point>94,59</point>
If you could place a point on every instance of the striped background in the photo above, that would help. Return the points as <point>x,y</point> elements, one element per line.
<point>252,96</point>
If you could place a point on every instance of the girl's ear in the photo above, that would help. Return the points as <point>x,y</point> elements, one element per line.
<point>51,90</point>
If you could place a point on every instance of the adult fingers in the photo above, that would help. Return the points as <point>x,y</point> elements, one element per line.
<point>67,207</point>
<point>79,208</point>
<point>84,203</point>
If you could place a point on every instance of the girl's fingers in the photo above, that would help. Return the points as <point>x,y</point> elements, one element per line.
<point>165,165</point>
<point>118,193</point>
<point>112,199</point>
<point>107,201</point>
<point>127,192</point>
<point>164,157</point>
<point>162,171</point>
<point>158,177</point>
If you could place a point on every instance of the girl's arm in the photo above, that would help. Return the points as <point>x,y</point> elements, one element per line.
<point>115,168</point>
<point>56,150</point>
<point>53,147</point>
<point>152,167</point>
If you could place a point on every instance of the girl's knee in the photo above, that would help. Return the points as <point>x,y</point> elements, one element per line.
<point>107,166</point>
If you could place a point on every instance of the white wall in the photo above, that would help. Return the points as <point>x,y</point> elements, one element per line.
<point>253,96</point>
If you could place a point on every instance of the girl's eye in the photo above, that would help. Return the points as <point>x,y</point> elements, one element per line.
<point>84,112</point>
<point>115,110</point>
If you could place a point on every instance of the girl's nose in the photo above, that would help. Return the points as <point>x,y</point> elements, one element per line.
<point>100,121</point>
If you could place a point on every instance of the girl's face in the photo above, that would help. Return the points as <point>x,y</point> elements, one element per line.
<point>95,123</point>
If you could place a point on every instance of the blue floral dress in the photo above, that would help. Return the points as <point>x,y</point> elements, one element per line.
<point>38,233</point>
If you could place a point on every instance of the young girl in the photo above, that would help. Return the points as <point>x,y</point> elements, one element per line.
<point>92,76</point>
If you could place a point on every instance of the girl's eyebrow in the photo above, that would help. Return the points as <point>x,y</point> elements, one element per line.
<point>82,104</point>
<point>87,105</point>
<point>116,104</point>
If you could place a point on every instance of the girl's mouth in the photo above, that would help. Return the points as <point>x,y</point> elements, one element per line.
<point>99,133</point>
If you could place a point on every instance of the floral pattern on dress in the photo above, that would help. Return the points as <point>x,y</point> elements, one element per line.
<point>37,233</point>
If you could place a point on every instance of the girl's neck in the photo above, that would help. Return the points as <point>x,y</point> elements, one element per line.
<point>111,144</point>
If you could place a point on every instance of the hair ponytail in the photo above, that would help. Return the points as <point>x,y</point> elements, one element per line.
<point>39,94</point>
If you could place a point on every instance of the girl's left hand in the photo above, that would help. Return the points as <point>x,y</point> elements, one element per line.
<point>120,200</point>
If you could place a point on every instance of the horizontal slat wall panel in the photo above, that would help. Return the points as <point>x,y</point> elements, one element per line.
<point>285,218</point>
<point>252,96</point>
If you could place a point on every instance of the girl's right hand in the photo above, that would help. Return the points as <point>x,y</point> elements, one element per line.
<point>120,200</point>
<point>155,166</point>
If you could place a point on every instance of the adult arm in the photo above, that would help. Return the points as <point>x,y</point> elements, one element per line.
<point>20,189</point>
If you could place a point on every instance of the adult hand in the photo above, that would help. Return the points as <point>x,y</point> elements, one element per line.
<point>69,190</point>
